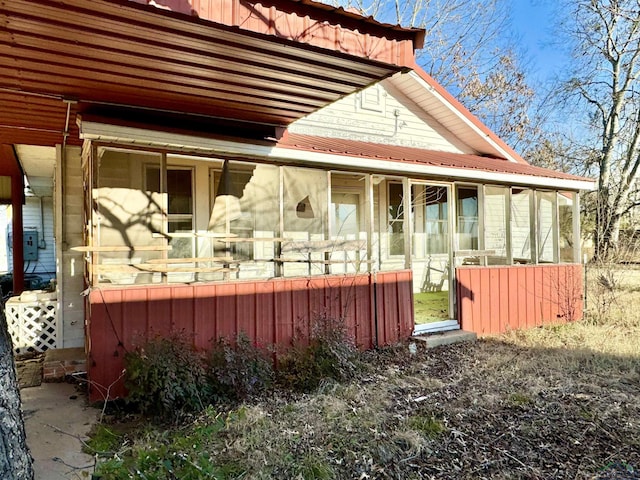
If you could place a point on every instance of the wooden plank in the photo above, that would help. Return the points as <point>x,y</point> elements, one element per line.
<point>323,262</point>
<point>167,261</point>
<point>121,248</point>
<point>144,267</point>
<point>319,246</point>
<point>249,239</point>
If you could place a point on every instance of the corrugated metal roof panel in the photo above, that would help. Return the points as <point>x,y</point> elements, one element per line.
<point>118,53</point>
<point>415,155</point>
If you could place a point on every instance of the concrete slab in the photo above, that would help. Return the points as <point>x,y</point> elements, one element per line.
<point>57,419</point>
<point>433,340</point>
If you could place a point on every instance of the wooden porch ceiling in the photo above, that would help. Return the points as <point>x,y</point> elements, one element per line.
<point>119,56</point>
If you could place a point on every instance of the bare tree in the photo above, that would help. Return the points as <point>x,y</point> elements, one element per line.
<point>469,51</point>
<point>15,460</point>
<point>606,36</point>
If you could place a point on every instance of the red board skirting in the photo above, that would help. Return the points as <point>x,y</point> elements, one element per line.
<point>268,311</point>
<point>495,299</point>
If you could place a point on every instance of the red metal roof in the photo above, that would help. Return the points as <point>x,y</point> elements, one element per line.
<point>378,151</point>
<point>120,54</point>
<point>308,21</point>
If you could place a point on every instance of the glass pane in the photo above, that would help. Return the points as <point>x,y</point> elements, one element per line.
<point>566,202</point>
<point>520,225</point>
<point>396,219</point>
<point>467,220</point>
<point>181,245</point>
<point>128,213</point>
<point>306,204</point>
<point>250,202</point>
<point>546,213</point>
<point>179,191</point>
<point>495,224</point>
<point>345,215</point>
<point>348,227</point>
<point>430,220</point>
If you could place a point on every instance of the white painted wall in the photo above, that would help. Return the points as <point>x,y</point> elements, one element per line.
<point>33,218</point>
<point>380,114</point>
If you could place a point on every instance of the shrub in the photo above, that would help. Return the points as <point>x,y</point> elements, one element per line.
<point>167,377</point>
<point>239,370</point>
<point>329,354</point>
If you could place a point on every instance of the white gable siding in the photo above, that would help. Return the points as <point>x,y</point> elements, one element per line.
<point>380,114</point>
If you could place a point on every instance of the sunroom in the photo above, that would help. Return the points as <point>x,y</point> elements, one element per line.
<point>162,217</point>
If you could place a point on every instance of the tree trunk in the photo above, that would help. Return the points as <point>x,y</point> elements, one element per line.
<point>15,460</point>
<point>607,238</point>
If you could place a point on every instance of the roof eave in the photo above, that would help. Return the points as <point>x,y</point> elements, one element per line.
<point>192,144</point>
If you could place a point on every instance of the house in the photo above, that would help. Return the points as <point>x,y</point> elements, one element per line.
<point>223,166</point>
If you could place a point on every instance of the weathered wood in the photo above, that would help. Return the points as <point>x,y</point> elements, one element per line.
<point>249,239</point>
<point>122,248</point>
<point>150,268</point>
<point>323,262</point>
<point>15,460</point>
<point>191,260</point>
<point>318,246</point>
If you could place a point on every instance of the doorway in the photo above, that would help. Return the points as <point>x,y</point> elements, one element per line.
<point>434,308</point>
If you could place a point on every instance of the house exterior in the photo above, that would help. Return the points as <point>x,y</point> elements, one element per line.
<point>223,167</point>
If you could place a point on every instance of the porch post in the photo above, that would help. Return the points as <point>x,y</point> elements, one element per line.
<point>17,193</point>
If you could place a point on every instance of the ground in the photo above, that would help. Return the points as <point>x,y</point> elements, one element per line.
<point>57,421</point>
<point>431,306</point>
<point>554,402</point>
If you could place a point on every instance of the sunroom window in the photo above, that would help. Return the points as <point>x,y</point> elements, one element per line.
<point>495,224</point>
<point>521,225</point>
<point>467,217</point>
<point>179,206</point>
<point>395,218</point>
<point>430,205</point>
<point>547,227</point>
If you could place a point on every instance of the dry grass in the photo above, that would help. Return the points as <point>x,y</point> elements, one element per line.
<point>556,402</point>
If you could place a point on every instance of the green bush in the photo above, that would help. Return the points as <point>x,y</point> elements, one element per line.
<point>167,377</point>
<point>329,353</point>
<point>238,370</point>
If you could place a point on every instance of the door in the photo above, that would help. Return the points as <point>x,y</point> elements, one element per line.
<point>432,257</point>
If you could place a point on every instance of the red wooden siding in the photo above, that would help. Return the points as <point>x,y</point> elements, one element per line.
<point>268,311</point>
<point>499,298</point>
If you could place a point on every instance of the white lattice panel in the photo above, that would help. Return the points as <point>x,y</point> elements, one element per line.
<point>32,325</point>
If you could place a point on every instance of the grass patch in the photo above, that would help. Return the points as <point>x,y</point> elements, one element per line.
<point>427,425</point>
<point>431,306</point>
<point>102,441</point>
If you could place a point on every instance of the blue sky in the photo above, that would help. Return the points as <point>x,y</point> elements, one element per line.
<point>533,23</point>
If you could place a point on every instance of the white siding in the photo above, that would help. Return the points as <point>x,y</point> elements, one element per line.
<point>45,266</point>
<point>380,114</point>
<point>70,268</point>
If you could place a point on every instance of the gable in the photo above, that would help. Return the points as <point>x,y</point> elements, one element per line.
<point>381,114</point>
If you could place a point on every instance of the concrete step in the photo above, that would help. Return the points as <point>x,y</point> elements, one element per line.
<point>433,340</point>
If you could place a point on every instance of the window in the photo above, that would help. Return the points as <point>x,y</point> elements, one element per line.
<point>495,224</point>
<point>547,227</point>
<point>395,217</point>
<point>239,223</point>
<point>345,215</point>
<point>430,205</point>
<point>566,202</point>
<point>179,207</point>
<point>467,216</point>
<point>372,99</point>
<point>521,225</point>
<point>347,224</point>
